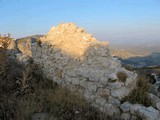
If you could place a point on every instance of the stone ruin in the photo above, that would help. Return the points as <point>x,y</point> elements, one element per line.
<point>76,60</point>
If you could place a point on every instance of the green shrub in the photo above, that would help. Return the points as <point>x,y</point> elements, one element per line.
<point>122,76</point>
<point>4,44</point>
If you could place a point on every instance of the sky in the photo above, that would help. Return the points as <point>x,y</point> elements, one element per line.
<point>116,21</point>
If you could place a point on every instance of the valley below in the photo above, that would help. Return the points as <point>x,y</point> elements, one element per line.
<point>143,55</point>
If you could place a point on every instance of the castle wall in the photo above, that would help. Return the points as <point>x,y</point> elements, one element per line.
<point>86,66</point>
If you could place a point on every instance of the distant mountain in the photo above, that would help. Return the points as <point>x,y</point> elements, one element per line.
<point>138,55</point>
<point>139,49</point>
<point>124,54</point>
<point>149,60</point>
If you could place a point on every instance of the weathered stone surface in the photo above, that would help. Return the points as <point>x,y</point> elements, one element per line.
<point>111,110</point>
<point>125,116</point>
<point>116,85</point>
<point>83,83</point>
<point>43,116</point>
<point>87,95</point>
<point>113,101</point>
<point>148,113</point>
<point>134,108</point>
<point>113,76</point>
<point>154,100</point>
<point>75,59</point>
<point>103,80</point>
<point>23,58</point>
<point>92,87</point>
<point>158,105</point>
<point>75,81</point>
<point>125,107</point>
<point>101,101</point>
<point>134,117</point>
<point>103,92</point>
<point>120,93</point>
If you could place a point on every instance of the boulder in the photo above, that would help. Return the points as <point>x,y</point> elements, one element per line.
<point>125,107</point>
<point>134,108</point>
<point>125,116</point>
<point>158,105</point>
<point>148,113</point>
<point>111,110</point>
<point>154,99</point>
<point>113,101</point>
<point>120,92</point>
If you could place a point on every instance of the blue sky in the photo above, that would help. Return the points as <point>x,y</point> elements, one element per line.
<point>112,20</point>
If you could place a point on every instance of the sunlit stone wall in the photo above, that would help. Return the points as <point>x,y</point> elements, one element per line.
<point>76,60</point>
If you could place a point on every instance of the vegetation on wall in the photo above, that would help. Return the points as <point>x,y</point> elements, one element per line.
<point>122,76</point>
<point>140,93</point>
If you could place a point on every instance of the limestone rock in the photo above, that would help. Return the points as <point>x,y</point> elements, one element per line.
<point>148,113</point>
<point>158,105</point>
<point>103,80</point>
<point>23,58</point>
<point>80,56</point>
<point>113,101</point>
<point>120,93</point>
<point>75,81</point>
<point>66,36</point>
<point>101,101</point>
<point>113,76</point>
<point>76,60</point>
<point>134,108</point>
<point>91,87</point>
<point>134,117</point>
<point>104,92</point>
<point>125,107</point>
<point>43,116</point>
<point>125,116</point>
<point>83,83</point>
<point>111,110</point>
<point>116,85</point>
<point>154,100</point>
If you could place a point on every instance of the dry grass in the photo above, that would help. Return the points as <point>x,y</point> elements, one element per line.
<point>140,94</point>
<point>57,101</point>
<point>39,43</point>
<point>128,67</point>
<point>58,73</point>
<point>52,99</point>
<point>122,76</point>
<point>44,96</point>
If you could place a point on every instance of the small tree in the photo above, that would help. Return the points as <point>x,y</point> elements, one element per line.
<point>4,44</point>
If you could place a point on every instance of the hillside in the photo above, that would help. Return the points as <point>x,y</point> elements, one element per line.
<point>139,55</point>
<point>124,54</point>
<point>149,60</point>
